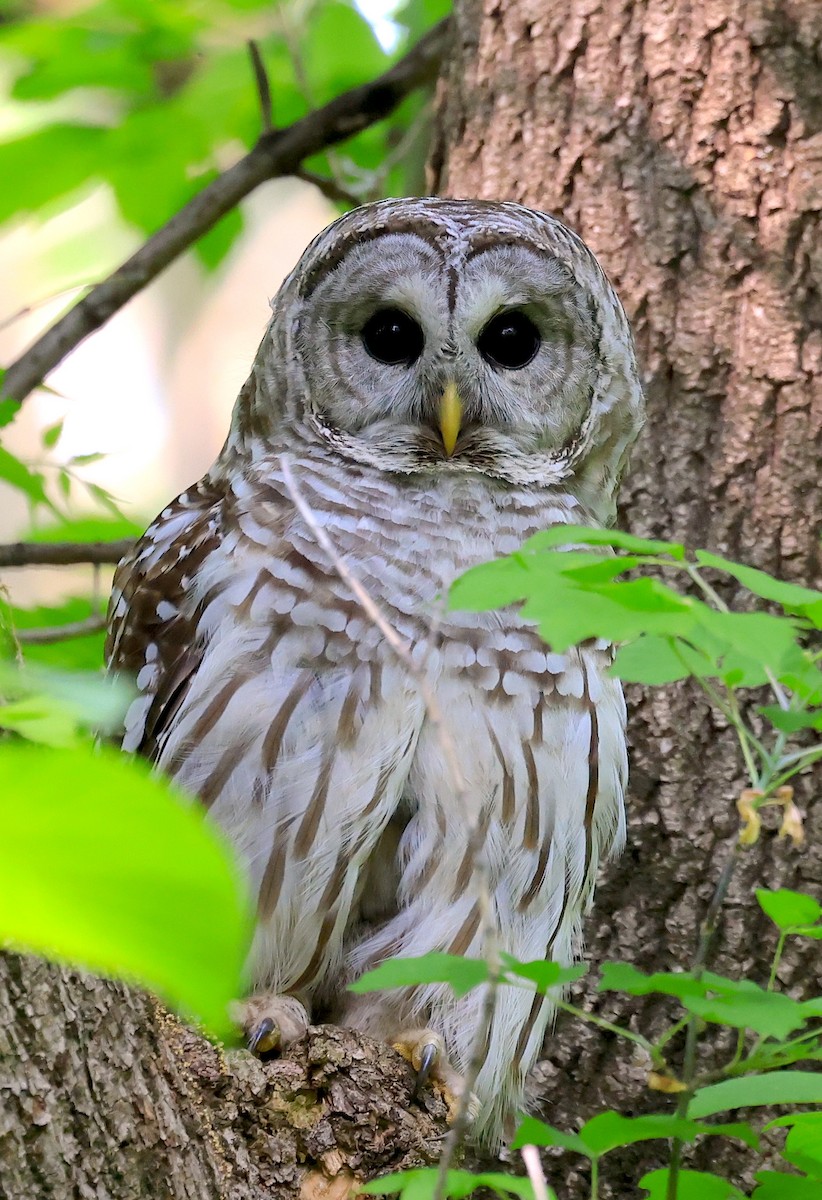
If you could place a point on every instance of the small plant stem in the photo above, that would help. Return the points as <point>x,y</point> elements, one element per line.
<point>664,1038</point>
<point>780,946</point>
<point>601,1023</point>
<point>700,962</point>
<point>594,1178</point>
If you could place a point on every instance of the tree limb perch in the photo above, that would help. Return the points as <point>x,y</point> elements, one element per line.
<point>278,152</point>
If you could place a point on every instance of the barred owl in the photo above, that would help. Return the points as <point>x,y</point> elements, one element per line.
<point>447,378</point>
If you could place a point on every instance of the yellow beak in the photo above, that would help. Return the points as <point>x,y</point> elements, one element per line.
<point>450,417</point>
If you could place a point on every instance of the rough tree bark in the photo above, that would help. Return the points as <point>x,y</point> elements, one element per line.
<point>683,140</point>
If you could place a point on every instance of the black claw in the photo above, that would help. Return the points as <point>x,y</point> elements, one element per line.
<point>265,1027</point>
<point>428,1056</point>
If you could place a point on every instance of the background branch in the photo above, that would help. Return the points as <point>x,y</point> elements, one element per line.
<point>63,554</point>
<point>279,152</point>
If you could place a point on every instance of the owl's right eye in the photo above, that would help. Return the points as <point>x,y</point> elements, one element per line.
<point>392,337</point>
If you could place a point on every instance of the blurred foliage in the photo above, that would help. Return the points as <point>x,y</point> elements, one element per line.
<point>154,97</point>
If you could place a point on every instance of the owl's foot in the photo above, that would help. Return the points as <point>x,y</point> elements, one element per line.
<point>270,1021</point>
<point>425,1050</point>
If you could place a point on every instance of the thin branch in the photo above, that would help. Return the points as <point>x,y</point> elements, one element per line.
<point>61,633</point>
<point>63,554</point>
<point>277,153</point>
<point>330,188</point>
<point>263,85</point>
<point>459,791</point>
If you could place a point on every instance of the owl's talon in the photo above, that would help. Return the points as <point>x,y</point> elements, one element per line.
<point>264,1037</point>
<point>270,1021</point>
<point>428,1055</point>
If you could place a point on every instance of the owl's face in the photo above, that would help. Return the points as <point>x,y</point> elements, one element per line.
<point>443,358</point>
<point>453,336</point>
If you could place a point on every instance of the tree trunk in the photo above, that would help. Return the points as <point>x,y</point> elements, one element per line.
<point>683,140</point>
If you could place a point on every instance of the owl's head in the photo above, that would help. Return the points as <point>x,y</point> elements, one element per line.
<point>440,336</point>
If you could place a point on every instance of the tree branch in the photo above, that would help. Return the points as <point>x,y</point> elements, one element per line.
<point>276,153</point>
<point>63,554</point>
<point>45,635</point>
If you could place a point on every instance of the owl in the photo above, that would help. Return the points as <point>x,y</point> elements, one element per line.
<point>441,379</point>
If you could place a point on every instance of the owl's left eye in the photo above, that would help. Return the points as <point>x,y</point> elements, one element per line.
<point>392,337</point>
<point>510,340</point>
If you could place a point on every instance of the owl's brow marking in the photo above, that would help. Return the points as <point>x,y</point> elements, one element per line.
<point>428,233</point>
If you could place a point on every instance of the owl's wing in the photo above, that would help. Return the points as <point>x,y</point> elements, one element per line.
<point>263,691</point>
<point>151,635</point>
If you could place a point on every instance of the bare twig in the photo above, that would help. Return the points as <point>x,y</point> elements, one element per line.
<point>533,1165</point>
<point>63,554</point>
<point>61,633</point>
<point>277,153</point>
<point>488,933</point>
<point>263,85</point>
<point>330,188</point>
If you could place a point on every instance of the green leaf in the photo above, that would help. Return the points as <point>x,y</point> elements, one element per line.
<point>420,1184</point>
<point>573,535</point>
<point>789,595</point>
<point>803,1146</point>
<point>51,435</point>
<point>791,720</point>
<point>745,1005</point>
<point>775,1185</point>
<point>40,719</point>
<point>623,977</point>
<point>537,1133</point>
<point>86,529</point>
<point>750,1091</point>
<point>93,702</point>
<point>17,475</point>
<point>655,661</point>
<point>787,909</point>
<point>82,653</point>
<point>104,865</point>
<point>462,974</point>
<point>608,1130</point>
<point>72,153</point>
<point>545,975</point>
<point>8,410</point>
<point>691,1185</point>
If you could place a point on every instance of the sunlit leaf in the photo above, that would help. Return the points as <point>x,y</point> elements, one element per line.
<point>624,977</point>
<point>462,974</point>
<point>750,1091</point>
<point>532,1132</point>
<point>420,1184</point>
<point>104,866</point>
<point>691,1185</point>
<point>545,975</point>
<point>777,1185</point>
<point>787,909</point>
<point>803,1145</point>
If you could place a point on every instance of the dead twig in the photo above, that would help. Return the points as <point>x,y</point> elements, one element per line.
<point>263,86</point>
<point>279,152</point>
<point>63,554</point>
<point>61,633</point>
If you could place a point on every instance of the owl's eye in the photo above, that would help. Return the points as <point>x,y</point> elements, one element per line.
<point>392,337</point>
<point>510,339</point>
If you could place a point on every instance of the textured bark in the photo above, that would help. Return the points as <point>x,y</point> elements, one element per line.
<point>683,140</point>
<point>103,1094</point>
